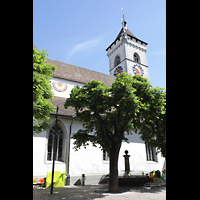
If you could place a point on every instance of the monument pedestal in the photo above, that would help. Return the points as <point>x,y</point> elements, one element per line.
<point>127,165</point>
<point>133,180</point>
<point>127,179</point>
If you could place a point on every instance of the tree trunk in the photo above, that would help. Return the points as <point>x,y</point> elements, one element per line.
<point>113,178</point>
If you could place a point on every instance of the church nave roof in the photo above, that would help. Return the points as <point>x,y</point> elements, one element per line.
<point>78,74</point>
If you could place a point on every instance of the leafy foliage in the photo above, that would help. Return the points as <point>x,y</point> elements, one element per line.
<point>153,129</point>
<point>42,107</point>
<point>110,113</point>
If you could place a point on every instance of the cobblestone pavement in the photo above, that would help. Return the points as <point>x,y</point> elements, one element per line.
<point>95,192</point>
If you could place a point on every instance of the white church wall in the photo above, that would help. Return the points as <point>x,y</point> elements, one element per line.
<point>119,51</point>
<point>86,161</point>
<point>70,86</point>
<point>138,160</point>
<point>130,69</point>
<point>131,48</point>
<point>41,166</point>
<point>89,161</point>
<point>125,48</point>
<point>130,52</point>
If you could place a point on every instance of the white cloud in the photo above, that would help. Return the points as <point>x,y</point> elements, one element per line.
<point>84,46</point>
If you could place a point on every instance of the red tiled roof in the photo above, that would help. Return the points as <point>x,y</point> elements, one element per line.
<point>78,74</point>
<point>62,111</point>
<point>129,34</point>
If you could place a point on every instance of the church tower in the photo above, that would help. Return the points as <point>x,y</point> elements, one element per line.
<point>128,54</point>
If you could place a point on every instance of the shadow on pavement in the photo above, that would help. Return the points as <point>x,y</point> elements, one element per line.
<point>141,189</point>
<point>73,192</point>
<point>87,192</point>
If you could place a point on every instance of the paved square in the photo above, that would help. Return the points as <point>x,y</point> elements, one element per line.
<point>100,192</point>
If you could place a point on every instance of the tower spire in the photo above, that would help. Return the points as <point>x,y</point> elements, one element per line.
<point>123,20</point>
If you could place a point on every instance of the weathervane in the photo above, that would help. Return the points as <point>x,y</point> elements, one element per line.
<point>123,20</point>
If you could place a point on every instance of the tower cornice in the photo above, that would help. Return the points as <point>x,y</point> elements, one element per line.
<point>127,40</point>
<point>129,34</point>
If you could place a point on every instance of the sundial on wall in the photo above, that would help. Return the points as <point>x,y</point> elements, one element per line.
<point>58,86</point>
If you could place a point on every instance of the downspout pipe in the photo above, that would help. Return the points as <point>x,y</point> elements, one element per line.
<point>68,152</point>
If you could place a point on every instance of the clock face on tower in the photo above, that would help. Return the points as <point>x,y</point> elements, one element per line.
<point>118,70</point>
<point>137,70</point>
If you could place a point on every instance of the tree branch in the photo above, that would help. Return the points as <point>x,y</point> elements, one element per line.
<point>103,125</point>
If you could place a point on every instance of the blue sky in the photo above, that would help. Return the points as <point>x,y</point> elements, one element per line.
<point>78,32</point>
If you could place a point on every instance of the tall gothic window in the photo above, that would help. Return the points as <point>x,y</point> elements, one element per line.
<point>59,144</point>
<point>151,153</point>
<point>117,61</point>
<point>136,58</point>
<point>105,155</point>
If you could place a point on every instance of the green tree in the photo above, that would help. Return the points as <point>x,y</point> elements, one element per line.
<point>110,113</point>
<point>153,130</point>
<point>42,107</point>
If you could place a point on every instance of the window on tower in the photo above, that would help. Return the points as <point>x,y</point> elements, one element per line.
<point>117,61</point>
<point>136,58</point>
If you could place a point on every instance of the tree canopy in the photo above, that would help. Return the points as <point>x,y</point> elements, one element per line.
<point>153,129</point>
<point>42,107</point>
<point>110,113</point>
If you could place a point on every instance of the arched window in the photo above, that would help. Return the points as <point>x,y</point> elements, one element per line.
<point>117,61</point>
<point>58,136</point>
<point>136,58</point>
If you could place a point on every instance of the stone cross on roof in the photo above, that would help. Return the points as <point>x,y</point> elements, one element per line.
<point>123,20</point>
